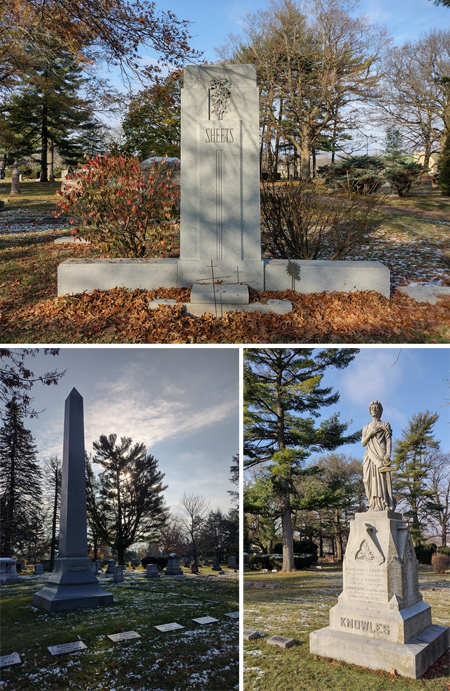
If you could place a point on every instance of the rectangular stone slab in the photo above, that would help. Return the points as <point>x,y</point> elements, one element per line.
<point>124,636</point>
<point>8,660</point>
<point>224,293</point>
<point>205,620</point>
<point>410,659</point>
<point>250,635</point>
<point>281,641</point>
<point>67,648</point>
<point>232,615</point>
<point>169,627</point>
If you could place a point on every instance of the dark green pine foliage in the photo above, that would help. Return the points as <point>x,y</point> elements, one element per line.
<point>412,456</point>
<point>20,483</point>
<point>444,167</point>
<point>48,108</point>
<point>283,393</point>
<point>128,504</point>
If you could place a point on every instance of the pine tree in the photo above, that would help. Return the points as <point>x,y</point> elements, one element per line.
<point>48,110</point>
<point>129,506</point>
<point>412,456</point>
<point>282,394</point>
<point>20,483</point>
<point>394,149</point>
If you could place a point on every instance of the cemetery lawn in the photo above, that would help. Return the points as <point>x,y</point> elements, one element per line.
<point>300,604</point>
<point>412,240</point>
<point>195,657</point>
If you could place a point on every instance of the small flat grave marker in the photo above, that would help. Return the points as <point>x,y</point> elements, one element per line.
<point>8,660</point>
<point>205,620</point>
<point>67,648</point>
<point>123,636</point>
<point>250,635</point>
<point>169,627</point>
<point>232,615</point>
<point>281,641</point>
<point>271,585</point>
<point>259,585</point>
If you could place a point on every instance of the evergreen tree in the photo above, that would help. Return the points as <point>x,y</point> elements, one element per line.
<point>444,167</point>
<point>129,505</point>
<point>282,395</point>
<point>47,110</point>
<point>394,148</point>
<point>412,456</point>
<point>20,483</point>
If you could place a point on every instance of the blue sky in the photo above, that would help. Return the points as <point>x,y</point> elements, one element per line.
<point>412,383</point>
<point>213,22</point>
<point>183,403</point>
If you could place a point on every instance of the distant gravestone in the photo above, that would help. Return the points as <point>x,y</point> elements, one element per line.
<point>152,571</point>
<point>15,180</point>
<point>250,635</point>
<point>118,574</point>
<point>281,641</point>
<point>72,584</point>
<point>216,564</point>
<point>67,648</point>
<point>8,572</point>
<point>233,562</point>
<point>111,565</point>
<point>205,620</point>
<point>194,567</point>
<point>173,566</point>
<point>39,568</point>
<point>232,615</point>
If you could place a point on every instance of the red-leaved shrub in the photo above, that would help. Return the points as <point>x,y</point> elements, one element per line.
<point>112,203</point>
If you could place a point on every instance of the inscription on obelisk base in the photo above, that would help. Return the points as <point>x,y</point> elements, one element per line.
<point>72,584</point>
<point>380,620</point>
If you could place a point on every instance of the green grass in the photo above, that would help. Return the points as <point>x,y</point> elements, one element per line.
<point>196,657</point>
<point>300,605</point>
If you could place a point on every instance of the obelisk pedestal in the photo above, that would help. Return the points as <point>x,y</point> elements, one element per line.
<point>72,584</point>
<point>380,620</point>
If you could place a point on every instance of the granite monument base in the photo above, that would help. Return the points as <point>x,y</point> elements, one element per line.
<point>72,585</point>
<point>410,659</point>
<point>380,620</point>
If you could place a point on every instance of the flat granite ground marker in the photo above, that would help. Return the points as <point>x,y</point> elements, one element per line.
<point>72,584</point>
<point>380,620</point>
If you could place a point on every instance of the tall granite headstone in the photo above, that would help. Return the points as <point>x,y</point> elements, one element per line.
<point>220,207</point>
<point>380,620</point>
<point>72,584</point>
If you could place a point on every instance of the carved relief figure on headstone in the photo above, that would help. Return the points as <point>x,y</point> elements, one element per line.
<point>219,94</point>
<point>377,438</point>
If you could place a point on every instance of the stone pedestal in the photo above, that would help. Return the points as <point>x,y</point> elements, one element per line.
<point>380,620</point>
<point>8,572</point>
<point>72,584</point>
<point>173,566</point>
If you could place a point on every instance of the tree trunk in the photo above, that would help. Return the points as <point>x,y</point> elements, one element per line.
<point>288,542</point>
<point>55,514</point>
<point>338,531</point>
<point>305,154</point>
<point>44,143</point>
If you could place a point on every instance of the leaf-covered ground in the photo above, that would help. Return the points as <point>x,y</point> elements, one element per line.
<point>195,657</point>
<point>298,605</point>
<point>416,249</point>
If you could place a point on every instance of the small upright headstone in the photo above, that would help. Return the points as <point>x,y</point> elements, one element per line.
<point>173,566</point>
<point>194,567</point>
<point>15,180</point>
<point>233,562</point>
<point>8,573</point>
<point>39,568</point>
<point>152,571</point>
<point>72,584</point>
<point>216,564</point>
<point>118,574</point>
<point>111,565</point>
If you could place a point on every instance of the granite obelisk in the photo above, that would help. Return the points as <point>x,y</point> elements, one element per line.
<point>72,584</point>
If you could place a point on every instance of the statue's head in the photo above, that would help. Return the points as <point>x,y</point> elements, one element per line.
<point>376,408</point>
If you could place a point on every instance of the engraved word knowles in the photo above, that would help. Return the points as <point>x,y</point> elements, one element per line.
<point>367,626</point>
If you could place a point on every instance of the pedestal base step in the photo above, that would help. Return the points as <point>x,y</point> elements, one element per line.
<point>410,659</point>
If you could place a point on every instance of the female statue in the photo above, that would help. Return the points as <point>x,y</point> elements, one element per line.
<point>377,438</point>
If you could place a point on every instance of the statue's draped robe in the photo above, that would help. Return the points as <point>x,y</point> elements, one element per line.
<point>374,481</point>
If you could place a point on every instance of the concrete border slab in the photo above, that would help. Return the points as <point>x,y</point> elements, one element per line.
<point>430,294</point>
